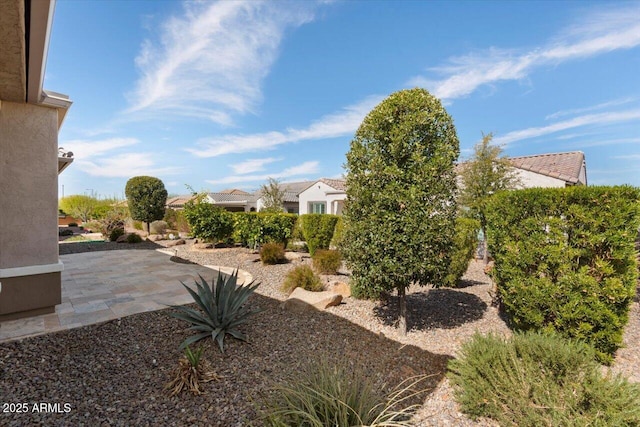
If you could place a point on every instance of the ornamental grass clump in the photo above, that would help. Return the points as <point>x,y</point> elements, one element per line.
<point>222,308</point>
<point>272,253</point>
<point>327,261</point>
<point>192,370</point>
<point>534,379</point>
<point>324,394</point>
<point>303,277</point>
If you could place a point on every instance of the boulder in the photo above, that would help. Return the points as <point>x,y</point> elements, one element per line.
<point>123,238</point>
<point>339,288</point>
<point>301,300</point>
<point>203,246</point>
<point>155,237</point>
<point>175,243</point>
<point>293,256</point>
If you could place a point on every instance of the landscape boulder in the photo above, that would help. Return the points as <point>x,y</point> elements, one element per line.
<point>339,288</point>
<point>172,243</point>
<point>303,300</point>
<point>155,237</point>
<point>203,245</point>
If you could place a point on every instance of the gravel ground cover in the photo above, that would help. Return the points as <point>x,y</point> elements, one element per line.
<point>113,373</point>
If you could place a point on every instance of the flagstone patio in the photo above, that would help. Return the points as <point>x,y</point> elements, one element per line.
<point>106,285</point>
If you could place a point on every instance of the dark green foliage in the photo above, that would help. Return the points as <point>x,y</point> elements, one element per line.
<point>303,277</point>
<point>115,233</point>
<point>327,261</point>
<point>565,260</point>
<point>540,380</point>
<point>222,308</point>
<point>325,394</point>
<point>134,238</point>
<point>207,221</point>
<point>317,230</point>
<point>272,253</point>
<point>401,184</point>
<point>146,198</point>
<point>73,224</point>
<point>253,229</point>
<point>65,232</point>
<point>465,244</point>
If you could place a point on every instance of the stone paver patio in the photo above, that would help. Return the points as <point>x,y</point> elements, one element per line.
<point>106,285</point>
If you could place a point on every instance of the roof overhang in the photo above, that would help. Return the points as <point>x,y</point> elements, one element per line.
<point>63,163</point>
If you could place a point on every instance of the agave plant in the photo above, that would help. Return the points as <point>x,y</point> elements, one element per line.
<point>222,307</point>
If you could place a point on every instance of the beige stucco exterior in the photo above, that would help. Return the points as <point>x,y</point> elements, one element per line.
<point>29,121</point>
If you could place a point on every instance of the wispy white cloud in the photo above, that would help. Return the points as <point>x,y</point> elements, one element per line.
<point>124,165</point>
<point>601,31</point>
<point>86,148</point>
<point>344,122</point>
<point>601,106</point>
<point>605,142</point>
<point>586,120</point>
<point>209,63</point>
<point>627,157</point>
<point>310,167</point>
<point>252,165</point>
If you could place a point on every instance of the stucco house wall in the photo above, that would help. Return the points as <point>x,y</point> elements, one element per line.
<point>321,192</point>
<point>529,179</point>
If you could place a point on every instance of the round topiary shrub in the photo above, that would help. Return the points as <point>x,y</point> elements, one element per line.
<point>327,261</point>
<point>272,253</point>
<point>115,233</point>
<point>304,277</point>
<point>134,238</point>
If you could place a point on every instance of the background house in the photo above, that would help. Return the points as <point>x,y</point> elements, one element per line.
<point>552,169</point>
<point>323,196</point>
<point>30,117</point>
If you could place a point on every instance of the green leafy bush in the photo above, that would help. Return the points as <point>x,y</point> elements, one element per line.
<point>222,308</point>
<point>324,394</point>
<point>272,253</point>
<point>207,221</point>
<point>115,233</point>
<point>540,380</point>
<point>158,227</point>
<point>317,230</point>
<point>137,225</point>
<point>303,277</point>
<point>252,229</point>
<point>565,260</point>
<point>171,218</point>
<point>327,261</point>
<point>146,198</point>
<point>134,238</point>
<point>465,244</point>
<point>336,240</point>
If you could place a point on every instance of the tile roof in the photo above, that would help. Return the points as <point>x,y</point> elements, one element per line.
<point>178,201</point>
<point>234,191</point>
<point>231,197</point>
<point>338,184</point>
<point>564,166</point>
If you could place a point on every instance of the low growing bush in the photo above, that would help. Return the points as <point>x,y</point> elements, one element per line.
<point>540,380</point>
<point>324,394</point>
<point>115,233</point>
<point>111,220</point>
<point>565,260</point>
<point>158,227</point>
<point>272,253</point>
<point>327,261</point>
<point>317,230</point>
<point>465,243</point>
<point>134,238</point>
<point>303,277</point>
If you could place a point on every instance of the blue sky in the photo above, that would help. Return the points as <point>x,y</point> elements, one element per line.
<point>225,94</point>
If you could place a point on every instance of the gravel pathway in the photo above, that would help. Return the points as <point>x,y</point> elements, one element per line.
<point>113,373</point>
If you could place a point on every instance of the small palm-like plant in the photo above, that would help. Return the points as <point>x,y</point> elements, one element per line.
<point>191,371</point>
<point>222,306</point>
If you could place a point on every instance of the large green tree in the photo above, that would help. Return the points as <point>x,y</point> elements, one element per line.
<point>146,197</point>
<point>401,207</point>
<point>488,172</point>
<point>79,206</point>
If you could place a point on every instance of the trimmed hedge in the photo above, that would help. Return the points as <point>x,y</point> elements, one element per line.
<point>565,260</point>
<point>317,230</point>
<point>253,229</point>
<point>207,221</point>
<point>465,244</point>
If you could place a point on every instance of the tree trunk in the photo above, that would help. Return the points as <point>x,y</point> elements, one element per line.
<point>148,228</point>
<point>402,321</point>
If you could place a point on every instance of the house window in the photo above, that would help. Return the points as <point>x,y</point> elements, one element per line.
<point>317,207</point>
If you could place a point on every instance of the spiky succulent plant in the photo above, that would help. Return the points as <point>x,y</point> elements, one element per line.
<point>222,309</point>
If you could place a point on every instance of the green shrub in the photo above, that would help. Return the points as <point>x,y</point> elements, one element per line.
<point>72,224</point>
<point>465,244</point>
<point>137,225</point>
<point>539,380</point>
<point>318,230</point>
<point>115,233</point>
<point>302,277</point>
<point>182,225</point>
<point>112,220</point>
<point>565,260</point>
<point>222,309</point>
<point>327,261</point>
<point>134,238</point>
<point>323,394</point>
<point>252,229</point>
<point>207,221</point>
<point>336,240</point>
<point>65,232</point>
<point>272,253</point>
<point>171,218</point>
<point>158,227</point>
